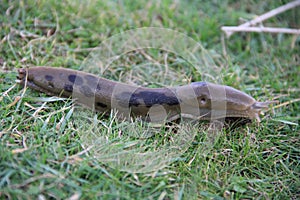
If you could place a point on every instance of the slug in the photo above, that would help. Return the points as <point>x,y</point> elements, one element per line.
<point>198,100</point>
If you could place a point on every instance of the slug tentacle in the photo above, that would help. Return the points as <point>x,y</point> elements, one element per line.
<point>198,100</point>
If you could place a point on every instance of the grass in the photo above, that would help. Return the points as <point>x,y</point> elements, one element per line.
<point>41,145</point>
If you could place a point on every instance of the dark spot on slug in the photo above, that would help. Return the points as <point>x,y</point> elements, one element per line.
<point>98,86</point>
<point>72,78</point>
<point>48,77</point>
<point>91,80</point>
<point>101,105</point>
<point>152,98</point>
<point>75,79</point>
<point>86,90</point>
<point>68,88</point>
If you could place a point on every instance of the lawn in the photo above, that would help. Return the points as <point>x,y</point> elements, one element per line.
<point>46,142</point>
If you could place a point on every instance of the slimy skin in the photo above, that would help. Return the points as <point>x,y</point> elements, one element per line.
<point>198,100</point>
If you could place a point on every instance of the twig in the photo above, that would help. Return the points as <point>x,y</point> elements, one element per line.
<point>263,17</point>
<point>272,13</point>
<point>231,29</point>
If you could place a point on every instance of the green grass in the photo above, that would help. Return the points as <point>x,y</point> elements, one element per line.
<point>42,152</point>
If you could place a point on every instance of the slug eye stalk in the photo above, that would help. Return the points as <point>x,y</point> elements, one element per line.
<point>257,107</point>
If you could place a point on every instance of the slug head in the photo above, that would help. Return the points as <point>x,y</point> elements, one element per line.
<point>224,101</point>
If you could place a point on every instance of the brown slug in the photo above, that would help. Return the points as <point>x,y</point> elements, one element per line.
<point>198,100</point>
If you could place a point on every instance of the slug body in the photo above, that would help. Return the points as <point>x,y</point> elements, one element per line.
<point>198,100</point>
